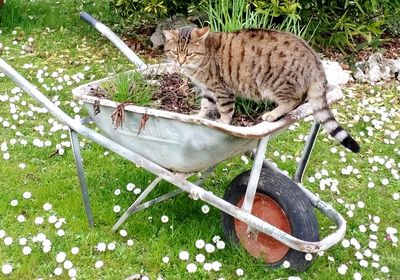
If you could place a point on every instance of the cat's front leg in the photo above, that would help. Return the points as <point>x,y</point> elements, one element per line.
<point>208,107</point>
<point>226,106</point>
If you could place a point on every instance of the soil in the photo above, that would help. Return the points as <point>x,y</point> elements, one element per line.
<point>174,94</point>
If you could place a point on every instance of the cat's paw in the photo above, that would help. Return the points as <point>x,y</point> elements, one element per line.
<point>201,115</point>
<point>269,117</point>
<point>224,120</point>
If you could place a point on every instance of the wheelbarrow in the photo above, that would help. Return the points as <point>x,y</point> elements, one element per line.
<point>270,214</point>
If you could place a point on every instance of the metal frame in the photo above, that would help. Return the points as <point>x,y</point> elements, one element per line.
<point>180,179</point>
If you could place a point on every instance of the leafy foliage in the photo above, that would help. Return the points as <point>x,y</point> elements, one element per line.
<point>392,24</point>
<point>342,24</point>
<point>158,8</point>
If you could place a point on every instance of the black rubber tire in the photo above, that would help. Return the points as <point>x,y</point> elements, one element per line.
<point>292,200</point>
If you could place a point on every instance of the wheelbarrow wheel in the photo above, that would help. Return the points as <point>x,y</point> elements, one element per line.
<point>280,202</point>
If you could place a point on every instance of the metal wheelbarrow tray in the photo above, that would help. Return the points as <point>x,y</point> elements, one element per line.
<point>178,142</point>
<point>174,146</point>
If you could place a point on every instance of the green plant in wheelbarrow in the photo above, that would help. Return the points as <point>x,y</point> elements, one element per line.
<point>130,87</point>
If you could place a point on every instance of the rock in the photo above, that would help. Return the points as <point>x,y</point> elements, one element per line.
<point>335,74</point>
<point>157,38</point>
<point>377,68</point>
<point>385,73</point>
<point>361,65</point>
<point>394,65</point>
<point>359,75</point>
<point>373,71</point>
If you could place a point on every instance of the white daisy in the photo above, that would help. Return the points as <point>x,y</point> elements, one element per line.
<point>14,202</point>
<point>111,246</point>
<point>130,187</point>
<point>207,266</point>
<point>47,206</point>
<point>191,268</point>
<point>239,272</point>
<point>74,250</point>
<point>6,268</point>
<point>342,269</point>
<point>286,264</point>
<point>101,247</point>
<point>200,244</point>
<point>68,265</point>
<point>58,271</point>
<point>26,250</point>
<point>99,264</point>
<point>8,241</point>
<point>164,219</point>
<point>205,209</point>
<point>60,257</point>
<point>72,273</point>
<point>183,255</point>
<point>27,195</point>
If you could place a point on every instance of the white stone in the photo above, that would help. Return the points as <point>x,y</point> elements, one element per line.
<point>335,74</point>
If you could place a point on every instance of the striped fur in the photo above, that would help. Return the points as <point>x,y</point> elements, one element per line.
<point>255,64</point>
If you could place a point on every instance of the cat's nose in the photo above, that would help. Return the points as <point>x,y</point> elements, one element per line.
<point>181,60</point>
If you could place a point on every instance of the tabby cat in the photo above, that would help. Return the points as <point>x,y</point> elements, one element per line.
<point>255,64</point>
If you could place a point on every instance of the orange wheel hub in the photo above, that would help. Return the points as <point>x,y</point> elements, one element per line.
<point>264,246</point>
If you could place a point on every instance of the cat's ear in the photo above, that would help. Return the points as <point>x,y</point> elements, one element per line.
<point>170,35</point>
<point>200,34</point>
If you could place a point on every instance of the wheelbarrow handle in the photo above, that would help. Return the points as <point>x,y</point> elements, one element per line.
<point>106,32</point>
<point>88,18</point>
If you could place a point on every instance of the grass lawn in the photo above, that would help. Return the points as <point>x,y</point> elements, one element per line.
<point>40,204</point>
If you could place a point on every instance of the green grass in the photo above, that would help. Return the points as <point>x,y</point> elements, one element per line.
<point>51,177</point>
<point>229,16</point>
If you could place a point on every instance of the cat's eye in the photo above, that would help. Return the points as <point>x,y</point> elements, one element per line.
<point>174,52</point>
<point>189,54</point>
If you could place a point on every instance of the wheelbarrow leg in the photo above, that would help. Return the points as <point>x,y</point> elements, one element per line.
<point>81,176</point>
<point>142,196</point>
<point>136,206</point>
<point>312,137</point>
<point>254,178</point>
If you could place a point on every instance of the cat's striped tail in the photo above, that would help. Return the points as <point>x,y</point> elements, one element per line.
<point>317,99</point>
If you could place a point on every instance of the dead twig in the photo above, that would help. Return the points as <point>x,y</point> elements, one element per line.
<point>142,124</point>
<point>118,116</point>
